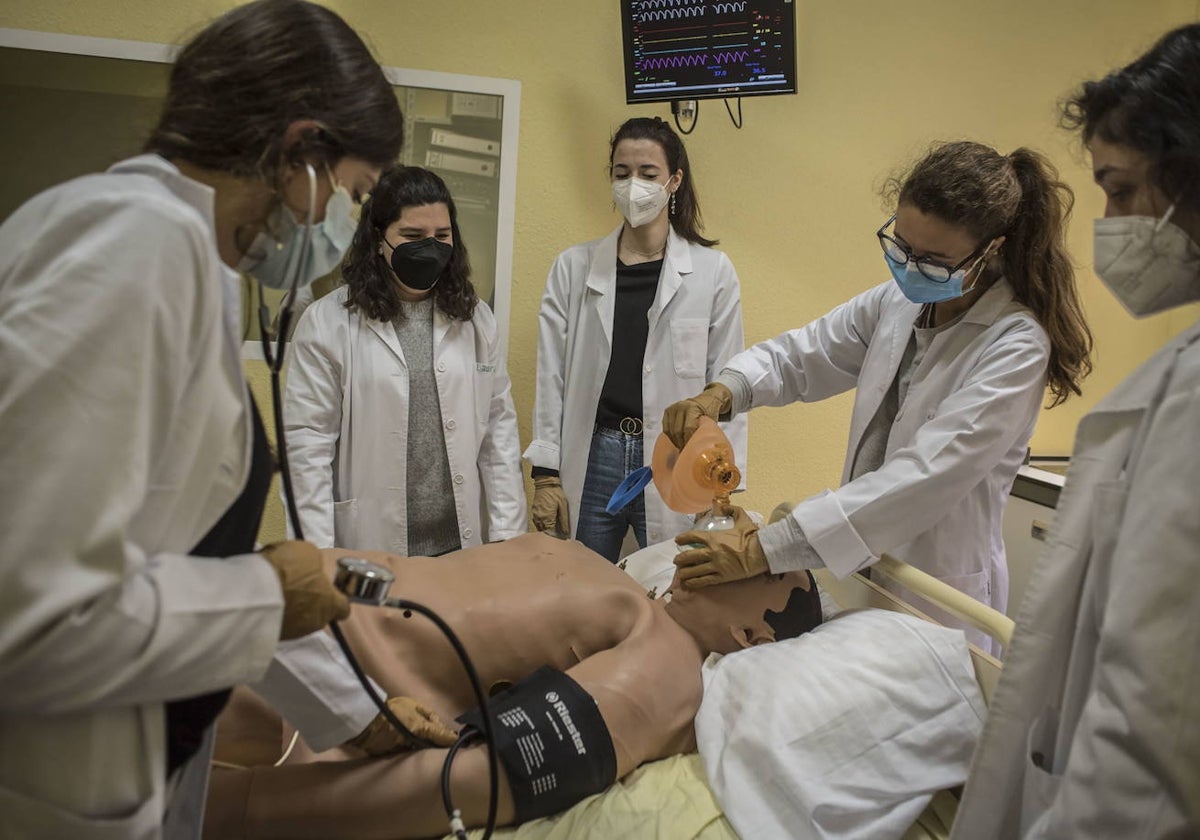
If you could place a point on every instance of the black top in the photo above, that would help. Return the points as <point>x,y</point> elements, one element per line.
<point>235,532</point>
<point>622,393</point>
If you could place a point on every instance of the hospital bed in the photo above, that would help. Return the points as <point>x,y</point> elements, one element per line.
<point>672,799</point>
<point>830,697</point>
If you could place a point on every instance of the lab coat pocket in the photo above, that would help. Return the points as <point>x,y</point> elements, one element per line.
<point>345,522</point>
<point>485,385</point>
<point>689,347</point>
<point>1040,785</point>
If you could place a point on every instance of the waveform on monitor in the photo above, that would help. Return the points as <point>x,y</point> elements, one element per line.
<point>726,57</point>
<point>727,8</point>
<point>667,4</point>
<point>668,14</point>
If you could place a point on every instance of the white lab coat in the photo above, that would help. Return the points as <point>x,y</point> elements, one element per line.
<point>346,415</point>
<point>955,446</point>
<point>126,427</point>
<point>1101,679</point>
<point>695,327</point>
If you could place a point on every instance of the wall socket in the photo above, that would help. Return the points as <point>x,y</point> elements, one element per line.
<point>685,108</point>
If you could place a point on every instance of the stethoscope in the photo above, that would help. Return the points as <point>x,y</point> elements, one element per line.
<point>364,582</point>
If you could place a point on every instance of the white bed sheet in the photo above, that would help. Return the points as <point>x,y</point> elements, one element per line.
<point>845,732</point>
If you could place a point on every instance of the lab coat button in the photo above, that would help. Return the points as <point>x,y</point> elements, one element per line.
<point>441,367</point>
<point>458,479</point>
<point>450,425</point>
<point>649,368</point>
<point>467,533</point>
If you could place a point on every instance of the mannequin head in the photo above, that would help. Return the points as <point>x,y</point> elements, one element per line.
<point>732,616</point>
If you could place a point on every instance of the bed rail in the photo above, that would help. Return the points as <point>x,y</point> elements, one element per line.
<point>980,616</point>
<point>859,591</point>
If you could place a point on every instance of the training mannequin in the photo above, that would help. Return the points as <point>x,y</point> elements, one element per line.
<point>517,606</point>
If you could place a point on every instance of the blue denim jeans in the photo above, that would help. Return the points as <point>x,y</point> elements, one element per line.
<point>613,456</point>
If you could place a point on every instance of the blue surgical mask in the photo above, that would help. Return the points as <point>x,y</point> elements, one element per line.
<point>920,289</point>
<point>274,262</point>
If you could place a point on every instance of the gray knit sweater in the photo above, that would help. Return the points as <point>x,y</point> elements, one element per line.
<point>432,518</point>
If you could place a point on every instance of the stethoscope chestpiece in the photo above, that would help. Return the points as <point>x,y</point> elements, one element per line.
<point>362,581</point>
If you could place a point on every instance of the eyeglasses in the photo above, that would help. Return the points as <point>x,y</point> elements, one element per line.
<point>930,269</point>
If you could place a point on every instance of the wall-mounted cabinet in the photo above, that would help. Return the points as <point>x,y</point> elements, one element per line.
<point>74,105</point>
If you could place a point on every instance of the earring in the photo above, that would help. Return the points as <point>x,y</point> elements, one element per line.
<point>672,204</point>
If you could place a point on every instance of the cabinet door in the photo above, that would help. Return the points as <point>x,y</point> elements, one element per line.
<point>1026,530</point>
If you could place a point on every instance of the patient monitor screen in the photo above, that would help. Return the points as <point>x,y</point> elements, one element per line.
<point>698,49</point>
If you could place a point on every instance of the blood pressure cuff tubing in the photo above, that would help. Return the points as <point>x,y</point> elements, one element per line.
<point>551,740</point>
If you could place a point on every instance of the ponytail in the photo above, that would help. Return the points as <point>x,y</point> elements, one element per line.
<point>1019,197</point>
<point>1039,269</point>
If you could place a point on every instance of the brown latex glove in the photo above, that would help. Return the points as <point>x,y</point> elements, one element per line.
<point>681,418</point>
<point>381,738</point>
<point>549,510</point>
<point>721,556</point>
<point>309,599</point>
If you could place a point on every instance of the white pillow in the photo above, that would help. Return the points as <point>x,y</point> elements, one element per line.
<point>846,731</point>
<point>653,566</point>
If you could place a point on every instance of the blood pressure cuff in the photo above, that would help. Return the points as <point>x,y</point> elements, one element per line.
<point>551,740</point>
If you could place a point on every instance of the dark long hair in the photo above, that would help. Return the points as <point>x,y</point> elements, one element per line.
<point>1153,107</point>
<point>373,290</point>
<point>801,613</point>
<point>238,85</point>
<point>686,217</point>
<point>1018,196</point>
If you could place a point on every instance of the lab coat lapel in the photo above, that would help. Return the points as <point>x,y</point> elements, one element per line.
<point>990,306</point>
<point>387,334</point>
<point>895,327</point>
<point>677,264</point>
<point>600,293</point>
<point>1141,388</point>
<point>441,326</point>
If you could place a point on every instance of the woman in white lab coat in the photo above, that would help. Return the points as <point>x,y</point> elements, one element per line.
<point>628,324</point>
<point>135,464</point>
<point>399,414</point>
<point>1094,728</point>
<point>949,361</point>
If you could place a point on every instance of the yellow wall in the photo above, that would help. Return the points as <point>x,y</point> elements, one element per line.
<point>792,196</point>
